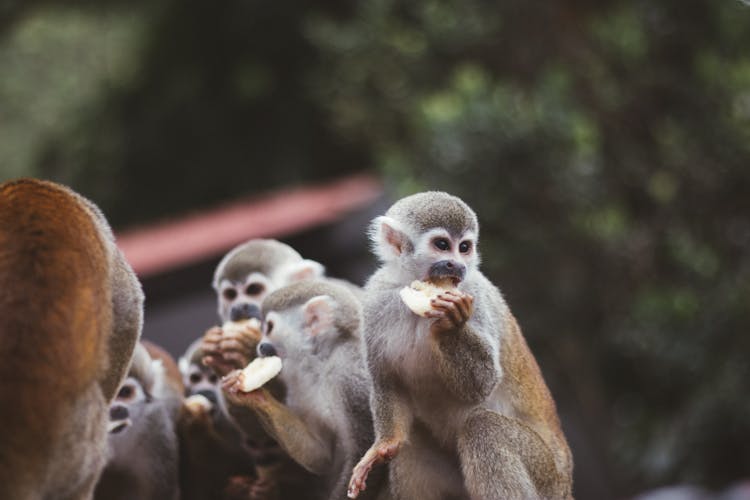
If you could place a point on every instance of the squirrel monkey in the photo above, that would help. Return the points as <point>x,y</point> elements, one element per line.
<point>71,311</point>
<point>216,455</point>
<point>324,422</point>
<point>143,455</point>
<point>459,404</point>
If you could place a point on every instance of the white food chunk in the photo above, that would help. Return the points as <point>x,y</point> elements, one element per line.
<point>198,402</point>
<point>237,327</point>
<point>419,294</point>
<point>258,372</point>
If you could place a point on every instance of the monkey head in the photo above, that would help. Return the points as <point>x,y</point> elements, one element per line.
<point>429,236</point>
<point>306,319</point>
<point>196,376</point>
<point>252,270</point>
<point>147,382</point>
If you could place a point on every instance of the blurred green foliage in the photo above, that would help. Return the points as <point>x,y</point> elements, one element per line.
<point>605,146</point>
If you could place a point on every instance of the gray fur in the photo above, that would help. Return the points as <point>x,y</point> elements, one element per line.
<point>325,423</point>
<point>423,211</point>
<point>469,431</point>
<point>143,458</point>
<point>259,255</point>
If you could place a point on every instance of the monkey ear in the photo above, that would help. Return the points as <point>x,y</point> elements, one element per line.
<point>303,270</point>
<point>319,315</point>
<point>389,238</point>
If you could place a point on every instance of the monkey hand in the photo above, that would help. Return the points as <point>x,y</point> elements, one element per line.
<point>232,389</point>
<point>451,310</point>
<point>212,355</point>
<point>238,345</point>
<point>381,452</point>
<point>229,350</point>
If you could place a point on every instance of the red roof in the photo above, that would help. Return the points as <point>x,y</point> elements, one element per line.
<point>172,244</point>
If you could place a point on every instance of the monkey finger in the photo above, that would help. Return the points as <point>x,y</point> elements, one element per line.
<point>213,335</point>
<point>435,314</point>
<point>450,309</point>
<point>237,344</point>
<point>462,303</point>
<point>236,359</point>
<point>231,380</point>
<point>210,348</point>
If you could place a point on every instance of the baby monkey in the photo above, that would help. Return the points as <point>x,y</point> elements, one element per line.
<point>459,404</point>
<point>324,423</point>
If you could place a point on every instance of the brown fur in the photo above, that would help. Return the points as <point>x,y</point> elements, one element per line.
<point>58,318</point>
<point>460,407</point>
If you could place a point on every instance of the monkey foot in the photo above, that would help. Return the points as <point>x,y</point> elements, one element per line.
<point>379,453</point>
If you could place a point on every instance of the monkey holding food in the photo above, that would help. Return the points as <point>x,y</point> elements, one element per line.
<point>215,452</point>
<point>459,404</point>
<point>312,340</point>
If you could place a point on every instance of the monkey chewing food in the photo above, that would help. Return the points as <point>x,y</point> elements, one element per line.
<point>198,402</point>
<point>418,296</point>
<point>258,372</point>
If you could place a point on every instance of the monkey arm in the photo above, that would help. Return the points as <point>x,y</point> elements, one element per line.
<point>290,431</point>
<point>467,362</point>
<point>391,418</point>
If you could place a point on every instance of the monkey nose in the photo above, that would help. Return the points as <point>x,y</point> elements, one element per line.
<point>244,310</point>
<point>118,412</point>
<point>447,269</point>
<point>266,349</point>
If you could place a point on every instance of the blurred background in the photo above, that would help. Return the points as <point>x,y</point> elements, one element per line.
<point>605,145</point>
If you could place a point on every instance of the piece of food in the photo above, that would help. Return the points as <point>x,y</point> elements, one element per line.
<point>258,372</point>
<point>419,294</point>
<point>238,327</point>
<point>198,402</point>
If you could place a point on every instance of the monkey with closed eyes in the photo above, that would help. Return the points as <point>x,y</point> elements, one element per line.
<point>71,311</point>
<point>459,404</point>
<point>324,421</point>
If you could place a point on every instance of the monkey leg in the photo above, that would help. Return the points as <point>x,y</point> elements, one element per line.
<point>503,458</point>
<point>380,452</point>
<point>424,470</point>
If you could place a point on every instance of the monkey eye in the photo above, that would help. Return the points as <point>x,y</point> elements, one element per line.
<point>126,392</point>
<point>254,289</point>
<point>229,293</point>
<point>464,247</point>
<point>213,378</point>
<point>195,378</point>
<point>269,327</point>
<point>442,244</point>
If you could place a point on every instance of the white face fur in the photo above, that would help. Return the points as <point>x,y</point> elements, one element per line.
<point>437,244</point>
<point>414,254</point>
<point>252,290</point>
<point>256,286</point>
